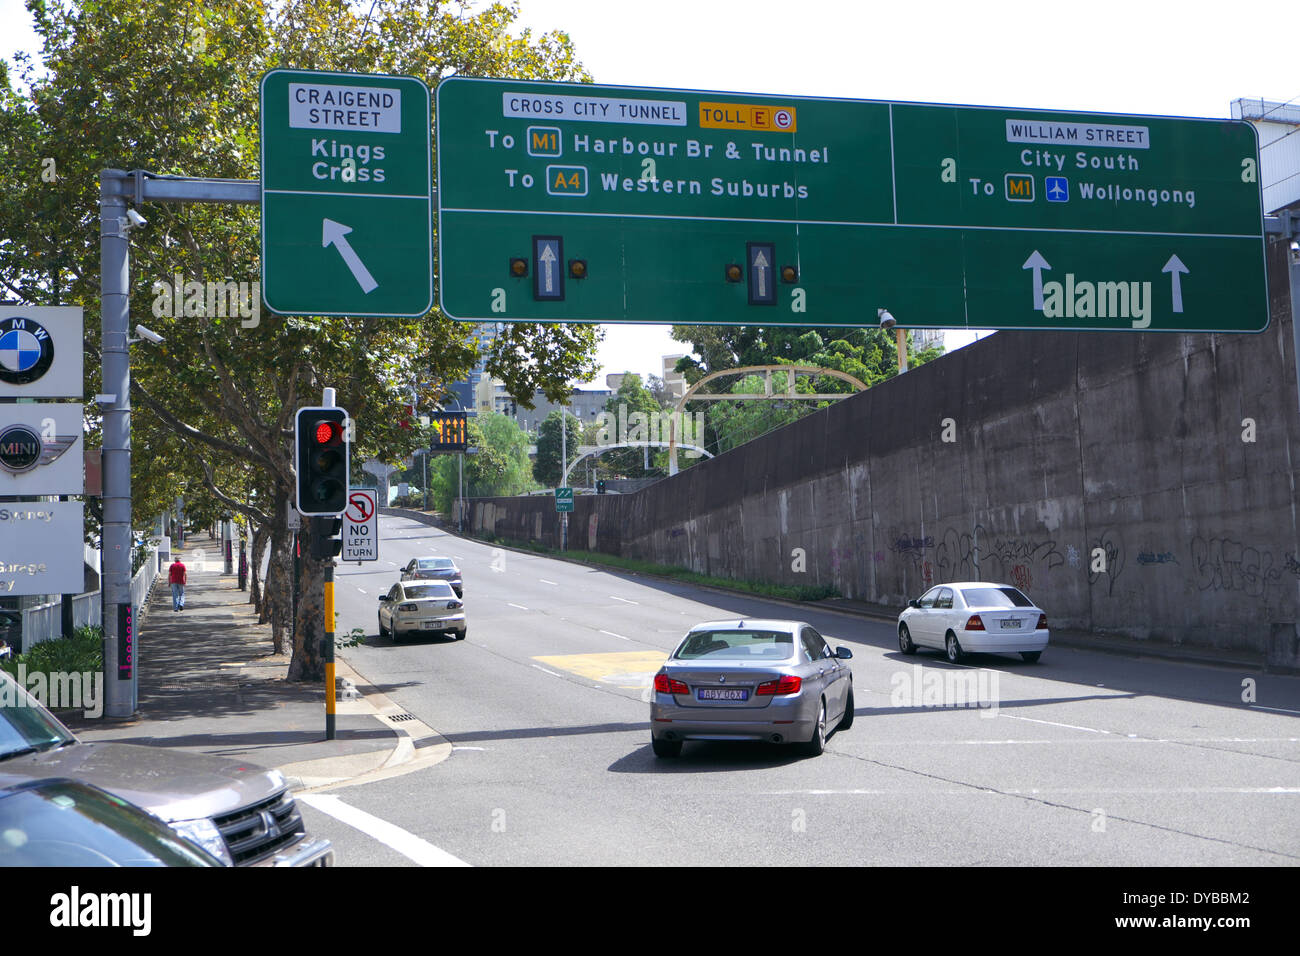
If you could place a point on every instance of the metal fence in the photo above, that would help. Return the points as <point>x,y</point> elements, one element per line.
<point>45,621</point>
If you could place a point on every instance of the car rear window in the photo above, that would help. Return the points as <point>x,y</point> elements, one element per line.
<point>438,590</point>
<point>737,645</point>
<point>995,597</point>
<point>435,564</point>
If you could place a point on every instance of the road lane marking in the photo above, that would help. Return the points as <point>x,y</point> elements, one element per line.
<point>520,606</point>
<point>404,842</point>
<point>619,636</point>
<point>615,597</point>
<point>632,670</point>
<point>544,581</point>
<point>545,671</point>
<point>363,590</point>
<point>1032,720</point>
<point>1280,710</point>
<point>1107,791</point>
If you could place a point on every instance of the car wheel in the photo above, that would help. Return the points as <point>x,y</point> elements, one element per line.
<point>955,653</point>
<point>666,748</point>
<point>382,632</point>
<point>847,720</point>
<point>905,640</point>
<point>814,747</point>
<point>1031,657</point>
<point>460,635</point>
<point>395,634</point>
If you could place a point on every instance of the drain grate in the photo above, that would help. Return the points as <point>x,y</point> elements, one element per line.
<point>401,716</point>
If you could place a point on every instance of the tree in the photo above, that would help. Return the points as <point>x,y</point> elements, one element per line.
<point>172,87</point>
<point>500,465</point>
<point>634,399</point>
<point>546,469</point>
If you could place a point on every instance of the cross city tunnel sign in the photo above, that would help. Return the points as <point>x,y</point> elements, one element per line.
<point>580,203</point>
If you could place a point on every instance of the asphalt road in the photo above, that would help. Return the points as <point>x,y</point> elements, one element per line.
<point>1085,758</point>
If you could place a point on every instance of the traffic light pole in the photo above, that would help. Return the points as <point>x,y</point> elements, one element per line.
<point>327,651</point>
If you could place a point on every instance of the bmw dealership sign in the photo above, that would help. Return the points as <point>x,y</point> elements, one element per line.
<point>41,352</point>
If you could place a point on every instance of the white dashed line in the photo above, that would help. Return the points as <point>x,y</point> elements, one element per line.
<point>363,590</point>
<point>544,581</point>
<point>545,671</point>
<point>1280,710</point>
<point>1091,730</point>
<point>615,597</point>
<point>619,636</point>
<point>520,606</point>
<point>404,842</point>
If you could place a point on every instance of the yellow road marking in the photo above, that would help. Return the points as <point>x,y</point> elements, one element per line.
<point>631,669</point>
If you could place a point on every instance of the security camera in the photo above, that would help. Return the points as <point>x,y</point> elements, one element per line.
<point>135,220</point>
<point>887,321</point>
<point>148,335</point>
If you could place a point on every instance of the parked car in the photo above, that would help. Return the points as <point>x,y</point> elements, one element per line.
<point>238,812</point>
<point>434,569</point>
<point>776,681</point>
<point>421,607</point>
<point>60,822</point>
<point>974,617</point>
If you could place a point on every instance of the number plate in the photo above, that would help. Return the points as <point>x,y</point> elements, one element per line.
<point>723,693</point>
<point>1011,622</point>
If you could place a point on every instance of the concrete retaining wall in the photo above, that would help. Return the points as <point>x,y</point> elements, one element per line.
<point>1140,484</point>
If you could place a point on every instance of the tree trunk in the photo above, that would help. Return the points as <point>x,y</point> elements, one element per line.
<point>260,538</point>
<point>308,663</point>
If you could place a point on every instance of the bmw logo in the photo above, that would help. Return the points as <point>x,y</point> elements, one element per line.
<point>26,350</point>
<point>20,448</point>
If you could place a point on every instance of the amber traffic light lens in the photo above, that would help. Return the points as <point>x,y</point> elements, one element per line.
<point>733,272</point>
<point>578,268</point>
<point>519,267</point>
<point>789,274</point>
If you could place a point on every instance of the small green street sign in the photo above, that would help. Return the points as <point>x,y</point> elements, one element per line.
<point>582,203</point>
<point>347,225</point>
<point>563,499</point>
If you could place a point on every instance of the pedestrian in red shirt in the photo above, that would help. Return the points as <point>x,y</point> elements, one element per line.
<point>176,577</point>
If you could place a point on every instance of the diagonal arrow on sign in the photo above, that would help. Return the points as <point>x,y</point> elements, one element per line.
<point>335,233</point>
<point>1038,264</point>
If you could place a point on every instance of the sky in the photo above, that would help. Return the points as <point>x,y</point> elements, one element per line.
<point>1129,57</point>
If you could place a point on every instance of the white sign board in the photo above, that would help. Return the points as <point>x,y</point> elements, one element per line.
<point>361,526</point>
<point>41,450</point>
<point>41,547</point>
<point>41,352</point>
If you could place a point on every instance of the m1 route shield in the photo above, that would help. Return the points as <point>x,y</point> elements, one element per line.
<point>582,203</point>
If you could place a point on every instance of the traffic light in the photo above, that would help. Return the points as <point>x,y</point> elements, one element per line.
<point>321,453</point>
<point>600,486</point>
<point>327,540</point>
<point>449,431</point>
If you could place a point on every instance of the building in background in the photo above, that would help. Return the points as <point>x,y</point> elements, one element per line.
<point>1279,148</point>
<point>674,381</point>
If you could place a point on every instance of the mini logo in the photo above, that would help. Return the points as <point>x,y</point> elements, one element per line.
<point>26,350</point>
<point>22,449</point>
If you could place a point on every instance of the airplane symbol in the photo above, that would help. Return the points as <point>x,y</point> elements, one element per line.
<point>1058,189</point>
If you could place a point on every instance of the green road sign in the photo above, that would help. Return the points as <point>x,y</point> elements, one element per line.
<point>579,203</point>
<point>563,499</point>
<point>346,194</point>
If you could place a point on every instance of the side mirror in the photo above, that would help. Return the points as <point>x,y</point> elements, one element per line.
<point>843,653</point>
<point>914,603</point>
<point>383,598</point>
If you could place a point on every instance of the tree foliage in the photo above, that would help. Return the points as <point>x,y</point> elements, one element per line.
<point>546,467</point>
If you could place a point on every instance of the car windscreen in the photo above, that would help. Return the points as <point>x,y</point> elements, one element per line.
<point>24,724</point>
<point>742,645</point>
<point>435,564</point>
<point>63,823</point>
<point>995,597</point>
<point>438,590</point>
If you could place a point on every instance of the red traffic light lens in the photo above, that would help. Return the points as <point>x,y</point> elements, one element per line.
<point>326,432</point>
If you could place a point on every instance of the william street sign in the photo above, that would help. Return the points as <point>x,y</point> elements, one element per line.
<point>580,203</point>
<point>346,194</point>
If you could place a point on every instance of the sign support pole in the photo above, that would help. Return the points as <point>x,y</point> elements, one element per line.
<point>328,651</point>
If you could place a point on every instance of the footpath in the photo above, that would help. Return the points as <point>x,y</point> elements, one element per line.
<point>209,682</point>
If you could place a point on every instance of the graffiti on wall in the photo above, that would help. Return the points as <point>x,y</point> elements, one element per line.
<point>1111,546</point>
<point>1222,564</point>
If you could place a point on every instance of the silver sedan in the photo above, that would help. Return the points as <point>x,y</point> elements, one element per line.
<point>776,681</point>
<point>418,606</point>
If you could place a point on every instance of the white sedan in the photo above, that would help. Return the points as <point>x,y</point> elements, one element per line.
<point>973,617</point>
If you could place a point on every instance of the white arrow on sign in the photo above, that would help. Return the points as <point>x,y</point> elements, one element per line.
<point>547,259</point>
<point>760,266</point>
<point>1038,264</point>
<point>1174,267</point>
<point>336,233</point>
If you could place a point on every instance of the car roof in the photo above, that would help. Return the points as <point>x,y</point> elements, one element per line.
<point>972,584</point>
<point>759,624</point>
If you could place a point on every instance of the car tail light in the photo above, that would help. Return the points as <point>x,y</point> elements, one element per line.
<point>1042,622</point>
<point>786,685</point>
<point>666,685</point>
<point>974,623</point>
<point>408,607</point>
<point>453,605</point>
